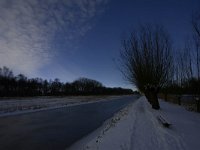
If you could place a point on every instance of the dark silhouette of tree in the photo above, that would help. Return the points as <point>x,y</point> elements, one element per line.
<point>6,72</point>
<point>146,61</point>
<point>56,87</point>
<point>196,36</point>
<point>45,88</point>
<point>22,84</point>
<point>86,86</point>
<point>6,76</point>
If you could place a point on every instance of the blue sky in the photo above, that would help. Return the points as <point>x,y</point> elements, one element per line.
<point>68,39</point>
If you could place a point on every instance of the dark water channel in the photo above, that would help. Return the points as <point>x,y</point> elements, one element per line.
<point>56,129</point>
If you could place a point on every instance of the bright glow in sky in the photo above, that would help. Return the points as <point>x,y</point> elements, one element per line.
<point>68,39</point>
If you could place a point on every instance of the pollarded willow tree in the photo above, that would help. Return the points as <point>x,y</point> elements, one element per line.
<point>146,61</point>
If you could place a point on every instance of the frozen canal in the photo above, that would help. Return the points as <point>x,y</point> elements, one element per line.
<point>56,129</point>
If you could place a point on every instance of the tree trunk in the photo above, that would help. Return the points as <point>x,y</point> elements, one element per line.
<point>148,96</point>
<point>152,97</point>
<point>165,97</point>
<point>154,101</point>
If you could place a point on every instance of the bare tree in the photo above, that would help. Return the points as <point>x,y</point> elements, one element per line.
<point>196,29</point>
<point>184,64</point>
<point>146,61</point>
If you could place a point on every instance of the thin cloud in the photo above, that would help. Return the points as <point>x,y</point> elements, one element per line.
<point>28,29</point>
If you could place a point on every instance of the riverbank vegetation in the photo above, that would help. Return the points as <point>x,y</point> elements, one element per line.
<point>21,86</point>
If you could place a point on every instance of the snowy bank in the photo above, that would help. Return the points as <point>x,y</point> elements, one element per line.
<point>16,106</point>
<point>136,127</point>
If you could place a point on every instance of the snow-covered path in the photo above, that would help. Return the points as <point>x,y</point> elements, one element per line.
<point>136,128</point>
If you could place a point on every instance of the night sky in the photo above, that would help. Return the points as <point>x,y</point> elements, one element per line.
<point>68,39</point>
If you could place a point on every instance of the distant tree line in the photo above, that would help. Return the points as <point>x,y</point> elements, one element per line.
<point>20,85</point>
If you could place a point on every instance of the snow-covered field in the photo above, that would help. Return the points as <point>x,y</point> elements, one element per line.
<point>13,106</point>
<point>136,127</point>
